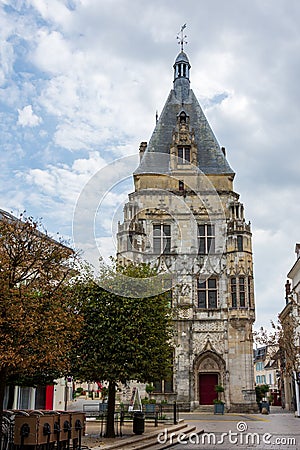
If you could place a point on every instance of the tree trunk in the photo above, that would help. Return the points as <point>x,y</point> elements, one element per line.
<point>110,425</point>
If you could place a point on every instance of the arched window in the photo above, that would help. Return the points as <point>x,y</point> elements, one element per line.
<point>182,117</point>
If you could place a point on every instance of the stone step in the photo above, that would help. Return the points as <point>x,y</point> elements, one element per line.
<point>168,440</point>
<point>205,409</point>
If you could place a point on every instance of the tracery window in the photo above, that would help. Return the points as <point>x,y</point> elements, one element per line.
<point>233,293</point>
<point>239,294</point>
<point>242,292</point>
<point>207,293</point>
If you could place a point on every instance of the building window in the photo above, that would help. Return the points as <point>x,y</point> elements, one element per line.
<point>259,365</point>
<point>181,185</point>
<point>163,386</point>
<point>182,117</point>
<point>240,244</point>
<point>242,292</point>
<point>185,154</point>
<point>206,239</point>
<point>158,386</point>
<point>238,292</point>
<point>161,238</point>
<point>249,292</point>
<point>233,293</point>
<point>258,379</point>
<point>207,293</point>
<point>24,397</point>
<point>270,378</point>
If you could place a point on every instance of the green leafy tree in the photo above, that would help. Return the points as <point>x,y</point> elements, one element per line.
<point>124,337</point>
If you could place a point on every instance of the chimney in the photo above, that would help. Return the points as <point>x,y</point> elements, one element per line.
<point>143,146</point>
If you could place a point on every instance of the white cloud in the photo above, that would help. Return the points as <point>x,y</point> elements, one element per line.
<point>53,10</point>
<point>63,181</point>
<point>6,62</point>
<point>27,118</point>
<point>52,53</point>
<point>79,135</point>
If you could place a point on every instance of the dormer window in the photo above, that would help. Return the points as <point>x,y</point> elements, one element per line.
<point>184,154</point>
<point>182,117</point>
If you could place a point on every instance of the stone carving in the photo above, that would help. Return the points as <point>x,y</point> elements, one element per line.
<point>208,326</point>
<point>216,342</point>
<point>185,289</point>
<point>208,365</point>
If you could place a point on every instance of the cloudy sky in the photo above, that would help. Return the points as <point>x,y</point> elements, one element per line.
<point>80,83</point>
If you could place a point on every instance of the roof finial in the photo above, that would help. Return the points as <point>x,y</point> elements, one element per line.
<point>181,37</point>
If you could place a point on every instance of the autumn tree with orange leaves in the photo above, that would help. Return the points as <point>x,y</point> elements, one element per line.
<point>39,318</point>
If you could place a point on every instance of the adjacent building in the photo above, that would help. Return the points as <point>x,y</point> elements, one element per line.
<point>267,371</point>
<point>53,396</point>
<point>290,351</point>
<point>185,218</point>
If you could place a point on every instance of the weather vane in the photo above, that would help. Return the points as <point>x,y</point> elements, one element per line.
<point>181,38</point>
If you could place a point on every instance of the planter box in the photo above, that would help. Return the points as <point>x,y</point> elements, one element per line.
<point>219,408</point>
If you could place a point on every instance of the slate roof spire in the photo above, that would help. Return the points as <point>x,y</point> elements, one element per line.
<point>210,157</point>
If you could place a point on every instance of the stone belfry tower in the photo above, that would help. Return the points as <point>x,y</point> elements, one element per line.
<point>185,218</point>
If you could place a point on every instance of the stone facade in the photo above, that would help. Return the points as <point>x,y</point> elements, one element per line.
<point>185,218</point>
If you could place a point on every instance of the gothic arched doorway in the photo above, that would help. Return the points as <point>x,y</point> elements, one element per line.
<point>209,370</point>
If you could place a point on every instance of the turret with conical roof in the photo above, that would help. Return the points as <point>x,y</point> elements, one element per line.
<point>182,75</point>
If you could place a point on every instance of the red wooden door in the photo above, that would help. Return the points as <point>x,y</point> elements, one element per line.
<point>49,396</point>
<point>207,382</point>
